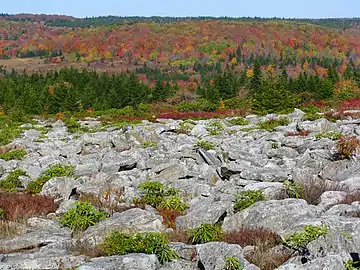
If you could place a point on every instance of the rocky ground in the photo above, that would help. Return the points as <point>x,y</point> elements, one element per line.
<point>243,158</point>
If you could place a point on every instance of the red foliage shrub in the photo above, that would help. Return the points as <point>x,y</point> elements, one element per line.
<point>347,147</point>
<point>302,133</point>
<point>22,205</point>
<point>169,216</point>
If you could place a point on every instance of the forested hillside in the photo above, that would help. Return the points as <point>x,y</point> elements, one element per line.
<point>266,65</point>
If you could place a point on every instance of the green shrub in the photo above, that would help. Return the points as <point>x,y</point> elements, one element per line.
<point>248,198</point>
<point>187,125</point>
<point>73,125</point>
<point>201,105</point>
<point>239,121</point>
<point>154,193</point>
<point>118,243</point>
<point>174,203</point>
<point>55,170</point>
<point>237,103</point>
<point>292,190</point>
<point>312,117</point>
<point>206,145</point>
<point>215,128</point>
<point>8,133</point>
<point>233,263</point>
<point>332,135</point>
<point>12,181</point>
<point>273,123</point>
<point>34,187</point>
<point>307,235</point>
<point>2,214</point>
<point>82,216</point>
<point>205,233</point>
<point>311,109</point>
<point>15,154</point>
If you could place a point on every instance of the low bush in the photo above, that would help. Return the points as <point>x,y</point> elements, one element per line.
<point>273,123</point>
<point>73,125</point>
<point>206,233</point>
<point>238,121</point>
<point>237,103</point>
<point>22,205</point>
<point>206,145</point>
<point>118,243</point>
<point>233,263</point>
<point>12,182</point>
<point>82,216</point>
<point>347,147</point>
<point>299,240</point>
<point>15,154</point>
<point>247,198</point>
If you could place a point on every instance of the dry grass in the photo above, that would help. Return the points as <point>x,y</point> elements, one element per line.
<point>270,259</point>
<point>302,133</point>
<point>10,229</point>
<point>21,205</point>
<point>84,248</point>
<point>351,197</point>
<point>347,147</point>
<point>179,236</point>
<point>259,237</point>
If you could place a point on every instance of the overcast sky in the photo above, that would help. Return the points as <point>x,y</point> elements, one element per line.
<point>232,8</point>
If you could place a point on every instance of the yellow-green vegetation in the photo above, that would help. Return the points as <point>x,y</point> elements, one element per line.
<point>206,145</point>
<point>55,170</point>
<point>312,117</point>
<point>233,263</point>
<point>73,125</point>
<point>206,233</point>
<point>82,216</point>
<point>300,239</point>
<point>118,243</point>
<point>149,144</point>
<point>12,182</point>
<point>350,265</point>
<point>332,135</point>
<point>273,123</point>
<point>248,198</point>
<point>14,154</point>
<point>239,121</point>
<point>215,128</point>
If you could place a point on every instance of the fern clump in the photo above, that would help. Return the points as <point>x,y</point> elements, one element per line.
<point>273,123</point>
<point>174,203</point>
<point>206,145</point>
<point>238,121</point>
<point>248,198</point>
<point>118,243</point>
<point>292,189</point>
<point>82,216</point>
<point>206,233</point>
<point>233,263</point>
<point>154,193</point>
<point>215,128</point>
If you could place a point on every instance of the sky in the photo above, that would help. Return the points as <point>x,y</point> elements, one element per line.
<point>231,8</point>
